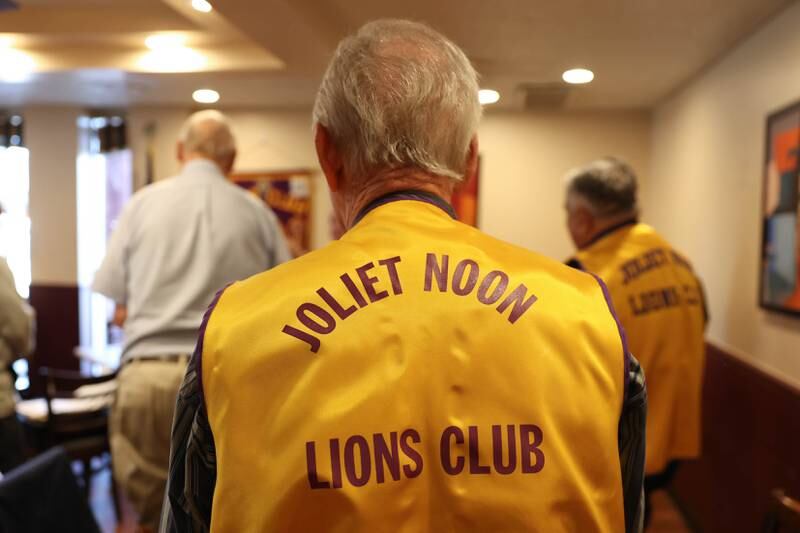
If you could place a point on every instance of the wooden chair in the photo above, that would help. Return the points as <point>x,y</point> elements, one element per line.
<point>784,515</point>
<point>74,414</point>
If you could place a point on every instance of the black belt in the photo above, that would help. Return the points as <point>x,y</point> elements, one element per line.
<point>168,358</point>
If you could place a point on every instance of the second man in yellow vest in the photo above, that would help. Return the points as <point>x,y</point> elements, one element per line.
<point>658,298</point>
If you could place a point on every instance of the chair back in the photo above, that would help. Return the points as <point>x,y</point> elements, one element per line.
<point>77,405</point>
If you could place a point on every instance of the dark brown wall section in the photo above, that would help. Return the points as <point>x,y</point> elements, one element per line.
<point>751,445</point>
<point>57,329</point>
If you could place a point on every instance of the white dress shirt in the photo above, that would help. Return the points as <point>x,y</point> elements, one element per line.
<point>176,244</point>
<point>15,335</point>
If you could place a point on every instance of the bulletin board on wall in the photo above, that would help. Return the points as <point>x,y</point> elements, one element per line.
<point>288,193</point>
<point>780,250</point>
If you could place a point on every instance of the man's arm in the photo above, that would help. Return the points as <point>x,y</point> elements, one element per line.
<point>120,315</point>
<point>632,428</point>
<point>193,455</point>
<point>111,279</point>
<point>15,322</point>
<point>631,439</point>
<point>193,461</point>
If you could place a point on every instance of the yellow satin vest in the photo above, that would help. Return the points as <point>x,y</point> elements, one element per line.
<point>415,376</point>
<point>659,300</point>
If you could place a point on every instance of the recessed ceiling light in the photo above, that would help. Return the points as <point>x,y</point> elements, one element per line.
<point>15,66</point>
<point>578,76</point>
<point>180,59</point>
<point>164,41</point>
<point>205,96</point>
<point>202,6</point>
<point>488,96</point>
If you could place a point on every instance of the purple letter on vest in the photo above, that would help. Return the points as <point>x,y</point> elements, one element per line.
<point>311,463</point>
<point>444,448</point>
<point>528,448</point>
<point>472,278</point>
<point>432,270</point>
<point>312,341</point>
<point>391,266</point>
<point>483,291</point>
<point>369,283</point>
<point>411,453</point>
<point>337,308</point>
<point>475,466</point>
<point>350,460</point>
<point>520,303</point>
<point>391,458</point>
<point>497,449</point>
<point>328,323</point>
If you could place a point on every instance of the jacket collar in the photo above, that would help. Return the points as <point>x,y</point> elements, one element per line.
<point>409,194</point>
<point>608,231</point>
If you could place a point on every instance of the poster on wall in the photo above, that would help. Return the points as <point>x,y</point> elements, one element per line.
<point>288,193</point>
<point>465,199</point>
<point>780,252</point>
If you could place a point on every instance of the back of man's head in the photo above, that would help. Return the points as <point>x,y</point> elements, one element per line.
<point>207,135</point>
<point>397,94</point>
<point>607,186</point>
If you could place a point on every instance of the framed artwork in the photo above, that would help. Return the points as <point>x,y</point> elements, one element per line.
<point>780,250</point>
<point>288,193</point>
<point>465,199</point>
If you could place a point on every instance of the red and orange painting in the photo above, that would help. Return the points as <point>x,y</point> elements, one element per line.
<point>780,260</point>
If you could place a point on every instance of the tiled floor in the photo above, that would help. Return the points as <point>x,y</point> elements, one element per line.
<point>666,518</point>
<point>103,507</point>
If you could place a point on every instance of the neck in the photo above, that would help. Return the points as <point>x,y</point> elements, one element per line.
<point>190,158</point>
<point>607,224</point>
<point>394,181</point>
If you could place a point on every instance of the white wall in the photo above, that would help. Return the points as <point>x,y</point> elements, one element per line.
<point>51,136</point>
<point>704,192</point>
<point>524,158</point>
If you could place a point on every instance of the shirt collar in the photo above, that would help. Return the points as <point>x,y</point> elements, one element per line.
<point>409,194</point>
<point>608,231</point>
<point>201,166</point>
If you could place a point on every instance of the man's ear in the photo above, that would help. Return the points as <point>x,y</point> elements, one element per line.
<point>471,167</point>
<point>227,166</point>
<point>179,152</point>
<point>329,158</point>
<point>587,220</point>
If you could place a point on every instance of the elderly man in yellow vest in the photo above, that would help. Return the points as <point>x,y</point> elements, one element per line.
<point>415,375</point>
<point>658,298</point>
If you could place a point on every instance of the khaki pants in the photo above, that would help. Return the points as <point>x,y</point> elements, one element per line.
<point>140,430</point>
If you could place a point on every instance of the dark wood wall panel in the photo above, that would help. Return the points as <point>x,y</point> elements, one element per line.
<point>751,445</point>
<point>57,329</point>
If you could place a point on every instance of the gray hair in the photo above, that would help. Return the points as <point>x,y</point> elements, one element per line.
<point>208,133</point>
<point>608,185</point>
<point>398,94</point>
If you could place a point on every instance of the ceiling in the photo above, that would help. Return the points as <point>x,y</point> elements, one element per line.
<point>271,53</point>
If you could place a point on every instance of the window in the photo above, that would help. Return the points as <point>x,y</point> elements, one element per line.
<point>105,180</point>
<point>15,224</point>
